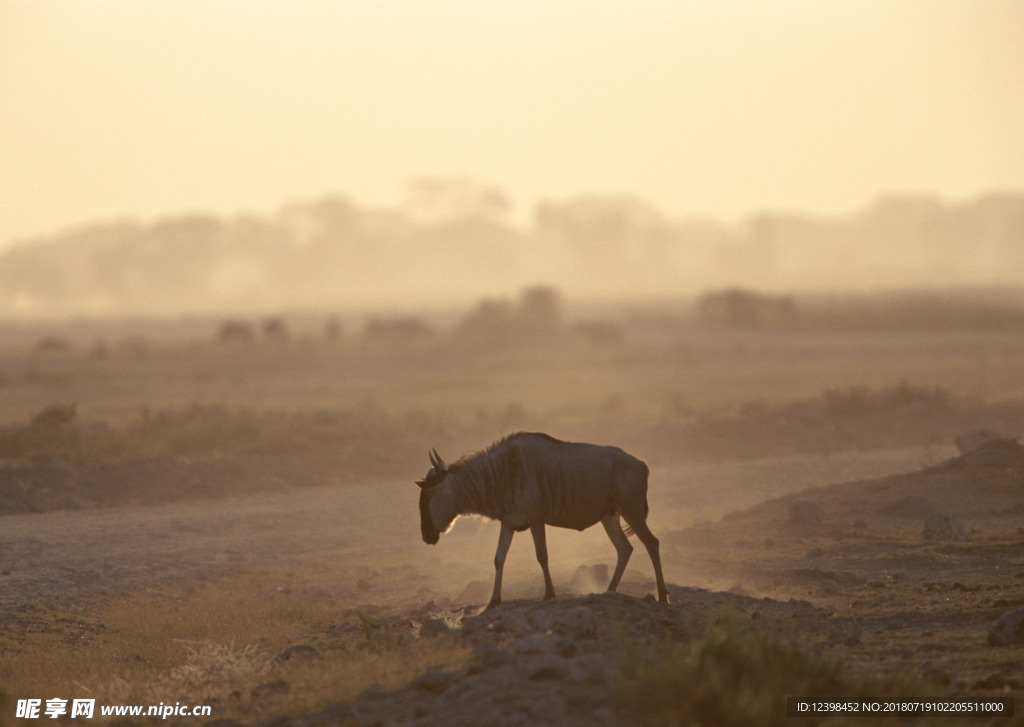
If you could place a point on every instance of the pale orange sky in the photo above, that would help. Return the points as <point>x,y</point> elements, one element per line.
<point>135,108</point>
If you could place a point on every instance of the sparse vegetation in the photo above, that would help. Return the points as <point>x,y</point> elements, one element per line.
<point>856,401</point>
<point>215,643</point>
<point>185,416</point>
<point>735,674</point>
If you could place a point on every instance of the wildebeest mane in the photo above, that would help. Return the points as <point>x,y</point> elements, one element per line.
<point>484,480</point>
<point>476,457</point>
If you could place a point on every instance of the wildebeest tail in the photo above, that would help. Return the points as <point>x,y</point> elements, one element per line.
<point>643,471</point>
<point>629,531</point>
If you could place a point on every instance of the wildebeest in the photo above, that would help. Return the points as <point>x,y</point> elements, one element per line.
<point>531,480</point>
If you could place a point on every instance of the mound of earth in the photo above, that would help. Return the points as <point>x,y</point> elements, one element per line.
<point>547,662</point>
<point>982,489</point>
<point>915,569</point>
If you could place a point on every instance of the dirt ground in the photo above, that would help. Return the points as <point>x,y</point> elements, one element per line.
<point>95,549</point>
<point>895,561</point>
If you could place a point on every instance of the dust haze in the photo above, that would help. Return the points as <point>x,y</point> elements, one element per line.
<point>211,421</point>
<point>454,241</point>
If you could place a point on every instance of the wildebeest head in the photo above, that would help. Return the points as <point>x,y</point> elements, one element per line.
<point>430,489</point>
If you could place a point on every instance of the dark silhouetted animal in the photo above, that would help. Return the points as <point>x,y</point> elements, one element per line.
<point>532,480</point>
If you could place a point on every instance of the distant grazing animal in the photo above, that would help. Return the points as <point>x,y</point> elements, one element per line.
<point>236,331</point>
<point>532,480</point>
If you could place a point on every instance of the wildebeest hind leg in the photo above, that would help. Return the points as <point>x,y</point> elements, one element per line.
<point>613,527</point>
<point>650,542</point>
<point>540,543</point>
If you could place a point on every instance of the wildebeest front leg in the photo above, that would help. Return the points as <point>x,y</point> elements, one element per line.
<point>613,527</point>
<point>504,541</point>
<point>541,545</point>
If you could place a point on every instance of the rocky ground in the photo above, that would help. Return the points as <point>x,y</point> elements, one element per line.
<point>556,662</point>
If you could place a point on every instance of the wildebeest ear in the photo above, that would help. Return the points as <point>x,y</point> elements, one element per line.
<point>430,480</point>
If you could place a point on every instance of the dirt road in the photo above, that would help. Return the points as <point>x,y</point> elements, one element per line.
<point>120,549</point>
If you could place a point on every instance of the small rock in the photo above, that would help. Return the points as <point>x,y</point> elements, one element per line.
<point>1008,630</point>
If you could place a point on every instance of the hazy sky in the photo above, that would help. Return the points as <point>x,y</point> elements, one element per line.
<point>145,108</point>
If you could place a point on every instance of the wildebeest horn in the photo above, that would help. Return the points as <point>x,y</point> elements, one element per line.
<point>435,459</point>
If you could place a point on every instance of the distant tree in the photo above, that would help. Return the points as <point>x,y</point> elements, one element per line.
<point>539,312</point>
<point>489,318</point>
<point>739,307</point>
<point>540,309</point>
<point>395,327</point>
<point>53,344</point>
<point>235,331</point>
<point>274,329</point>
<point>332,329</point>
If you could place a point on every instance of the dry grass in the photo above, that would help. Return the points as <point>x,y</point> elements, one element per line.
<point>214,644</point>
<point>737,675</point>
